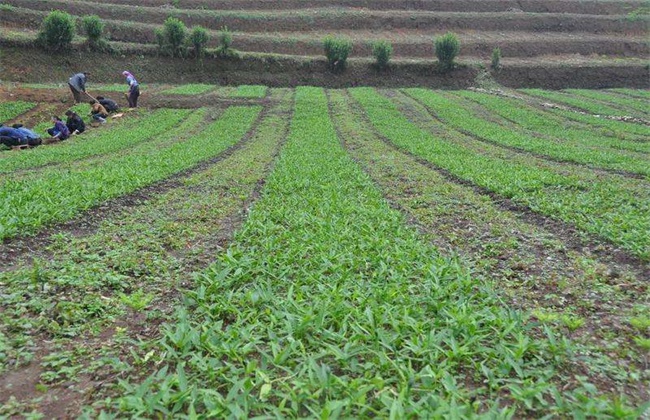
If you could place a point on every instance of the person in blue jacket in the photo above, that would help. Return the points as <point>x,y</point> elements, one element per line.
<point>33,139</point>
<point>77,85</point>
<point>10,136</point>
<point>60,130</point>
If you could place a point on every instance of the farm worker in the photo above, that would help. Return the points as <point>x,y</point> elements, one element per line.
<point>74,123</point>
<point>77,85</point>
<point>134,89</point>
<point>109,104</point>
<point>33,139</point>
<point>60,130</point>
<point>10,136</point>
<point>98,111</point>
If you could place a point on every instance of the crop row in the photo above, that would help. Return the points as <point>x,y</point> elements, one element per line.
<point>58,194</point>
<point>637,107</point>
<point>585,104</point>
<point>561,139</point>
<point>613,128</point>
<point>243,91</point>
<point>309,315</point>
<point>609,206</point>
<point>635,93</point>
<point>10,110</point>
<point>578,150</point>
<point>97,142</point>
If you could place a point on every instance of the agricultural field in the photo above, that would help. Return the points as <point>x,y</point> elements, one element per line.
<point>246,251</point>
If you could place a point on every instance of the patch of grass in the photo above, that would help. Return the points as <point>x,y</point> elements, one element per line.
<point>190,89</point>
<point>249,91</point>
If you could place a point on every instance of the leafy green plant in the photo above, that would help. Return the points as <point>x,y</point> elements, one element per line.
<point>446,48</point>
<point>249,91</point>
<point>172,37</point>
<point>10,110</point>
<point>572,322</point>
<point>138,300</point>
<point>199,39</point>
<point>496,59</point>
<point>57,31</point>
<point>225,50</point>
<point>93,27</point>
<point>190,89</point>
<point>336,52</point>
<point>382,51</point>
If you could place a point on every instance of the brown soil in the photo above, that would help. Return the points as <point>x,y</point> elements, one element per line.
<point>25,64</point>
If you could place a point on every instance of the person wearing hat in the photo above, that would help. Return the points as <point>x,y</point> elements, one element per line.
<point>77,85</point>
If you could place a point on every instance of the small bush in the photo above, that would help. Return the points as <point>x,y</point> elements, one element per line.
<point>93,27</point>
<point>337,51</point>
<point>171,38</point>
<point>199,39</point>
<point>382,51</point>
<point>447,48</point>
<point>225,49</point>
<point>496,58</point>
<point>57,31</point>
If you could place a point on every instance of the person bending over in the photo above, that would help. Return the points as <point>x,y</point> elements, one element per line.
<point>98,112</point>
<point>74,123</point>
<point>60,130</point>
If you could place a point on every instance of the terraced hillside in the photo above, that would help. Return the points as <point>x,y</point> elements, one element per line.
<point>534,33</point>
<point>355,253</point>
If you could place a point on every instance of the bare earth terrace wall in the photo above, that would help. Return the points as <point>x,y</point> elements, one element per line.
<point>332,20</point>
<point>597,7</point>
<point>25,64</point>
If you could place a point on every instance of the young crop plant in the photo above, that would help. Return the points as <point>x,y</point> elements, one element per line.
<point>328,305</point>
<point>10,110</point>
<point>190,89</point>
<point>446,48</point>
<point>57,31</point>
<point>336,52</point>
<point>249,91</point>
<point>578,103</point>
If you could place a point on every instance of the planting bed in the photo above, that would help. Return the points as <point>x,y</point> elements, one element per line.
<point>319,253</point>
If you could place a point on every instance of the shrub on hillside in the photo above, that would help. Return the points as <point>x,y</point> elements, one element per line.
<point>199,39</point>
<point>93,27</point>
<point>496,58</point>
<point>172,37</point>
<point>225,49</point>
<point>382,51</point>
<point>337,51</point>
<point>57,31</point>
<point>447,48</point>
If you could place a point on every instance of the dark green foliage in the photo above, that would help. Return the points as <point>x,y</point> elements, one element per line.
<point>225,49</point>
<point>382,51</point>
<point>337,51</point>
<point>199,39</point>
<point>172,37</point>
<point>496,58</point>
<point>447,48</point>
<point>57,31</point>
<point>93,27</point>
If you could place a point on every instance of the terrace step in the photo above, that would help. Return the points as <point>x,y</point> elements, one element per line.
<point>591,7</point>
<point>307,20</point>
